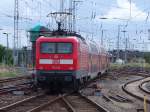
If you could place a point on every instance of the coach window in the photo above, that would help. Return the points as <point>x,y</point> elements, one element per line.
<point>94,49</point>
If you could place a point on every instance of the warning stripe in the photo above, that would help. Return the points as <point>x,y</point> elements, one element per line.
<point>61,61</point>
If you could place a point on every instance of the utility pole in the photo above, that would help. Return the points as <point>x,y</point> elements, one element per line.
<point>118,41</point>
<point>16,21</point>
<point>61,5</point>
<point>130,8</point>
<point>7,39</point>
<point>62,10</point>
<point>126,40</point>
<point>70,17</point>
<point>102,37</point>
<point>74,14</point>
<point>40,11</point>
<point>7,47</point>
<point>148,34</point>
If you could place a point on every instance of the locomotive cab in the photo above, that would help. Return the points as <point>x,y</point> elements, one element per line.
<point>56,60</point>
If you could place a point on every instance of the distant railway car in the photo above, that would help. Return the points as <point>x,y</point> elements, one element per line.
<point>68,61</point>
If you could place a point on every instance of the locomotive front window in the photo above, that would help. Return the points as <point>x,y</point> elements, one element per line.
<point>48,48</point>
<point>64,48</point>
<point>58,48</point>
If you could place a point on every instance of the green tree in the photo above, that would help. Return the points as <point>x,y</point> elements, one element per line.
<point>10,57</point>
<point>2,52</point>
<point>147,57</point>
<point>6,55</point>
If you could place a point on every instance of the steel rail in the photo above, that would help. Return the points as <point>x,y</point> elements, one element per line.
<point>100,108</point>
<point>8,89</point>
<point>144,89</point>
<point>133,73</point>
<point>13,105</point>
<point>41,107</point>
<point>69,106</point>
<point>132,94</point>
<point>74,108</point>
<point>14,79</point>
<point>36,108</point>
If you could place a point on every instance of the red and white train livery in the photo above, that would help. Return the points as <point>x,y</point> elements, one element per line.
<point>68,60</point>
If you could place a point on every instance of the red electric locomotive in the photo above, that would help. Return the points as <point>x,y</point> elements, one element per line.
<point>68,61</point>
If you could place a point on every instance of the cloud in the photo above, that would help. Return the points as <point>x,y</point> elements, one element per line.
<point>124,11</point>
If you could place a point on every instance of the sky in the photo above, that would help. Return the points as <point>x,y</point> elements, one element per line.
<point>132,18</point>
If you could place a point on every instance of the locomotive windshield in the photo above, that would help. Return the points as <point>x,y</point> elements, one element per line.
<point>48,48</point>
<point>58,48</point>
<point>64,47</point>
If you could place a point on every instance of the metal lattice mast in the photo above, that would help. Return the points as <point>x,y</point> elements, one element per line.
<point>118,43</point>
<point>75,2</point>
<point>16,21</point>
<point>61,5</point>
<point>62,10</point>
<point>70,17</point>
<point>74,15</point>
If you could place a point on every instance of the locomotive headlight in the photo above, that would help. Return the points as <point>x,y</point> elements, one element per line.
<point>41,68</point>
<point>42,78</point>
<point>70,68</point>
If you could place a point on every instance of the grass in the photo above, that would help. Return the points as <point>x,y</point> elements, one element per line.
<point>7,71</point>
<point>8,74</point>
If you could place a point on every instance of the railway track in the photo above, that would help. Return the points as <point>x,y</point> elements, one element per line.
<point>11,88</point>
<point>133,73</point>
<point>81,103</point>
<point>12,84</point>
<point>14,79</point>
<point>135,88</point>
<point>145,86</point>
<point>26,104</point>
<point>62,103</point>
